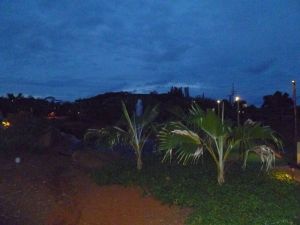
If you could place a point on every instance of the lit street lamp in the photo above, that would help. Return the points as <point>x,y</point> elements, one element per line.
<point>237,99</point>
<point>223,109</point>
<point>218,102</point>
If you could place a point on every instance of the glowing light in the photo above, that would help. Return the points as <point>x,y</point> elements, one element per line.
<point>51,115</point>
<point>218,101</point>
<point>17,160</point>
<point>237,98</point>
<point>283,176</point>
<point>6,124</point>
<point>293,82</point>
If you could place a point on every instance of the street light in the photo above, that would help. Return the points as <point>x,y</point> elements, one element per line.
<point>237,99</point>
<point>295,109</point>
<point>218,102</point>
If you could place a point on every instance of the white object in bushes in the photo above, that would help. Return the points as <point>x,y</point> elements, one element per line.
<point>17,160</point>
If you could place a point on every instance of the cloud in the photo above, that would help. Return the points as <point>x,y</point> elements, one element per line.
<point>82,48</point>
<point>164,86</point>
<point>261,67</point>
<point>172,54</point>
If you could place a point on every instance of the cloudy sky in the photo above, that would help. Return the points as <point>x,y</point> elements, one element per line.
<point>71,48</point>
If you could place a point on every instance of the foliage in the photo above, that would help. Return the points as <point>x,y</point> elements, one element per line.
<point>134,131</point>
<point>101,138</point>
<point>267,156</point>
<point>257,138</point>
<point>204,131</point>
<point>253,134</point>
<point>278,102</point>
<point>23,133</point>
<point>248,198</point>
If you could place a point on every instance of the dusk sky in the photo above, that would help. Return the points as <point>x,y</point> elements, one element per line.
<point>71,49</point>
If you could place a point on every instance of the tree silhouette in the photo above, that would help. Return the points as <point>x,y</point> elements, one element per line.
<point>277,104</point>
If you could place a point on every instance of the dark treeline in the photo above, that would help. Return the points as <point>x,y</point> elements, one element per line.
<point>105,109</point>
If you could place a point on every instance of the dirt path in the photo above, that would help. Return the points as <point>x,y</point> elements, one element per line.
<point>116,205</point>
<point>50,190</point>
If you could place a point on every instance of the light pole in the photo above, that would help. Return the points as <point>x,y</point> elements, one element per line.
<point>223,111</point>
<point>237,99</point>
<point>295,110</point>
<point>218,102</point>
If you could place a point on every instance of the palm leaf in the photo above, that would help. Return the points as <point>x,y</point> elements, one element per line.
<point>175,138</point>
<point>149,115</point>
<point>128,119</point>
<point>256,134</point>
<point>212,125</point>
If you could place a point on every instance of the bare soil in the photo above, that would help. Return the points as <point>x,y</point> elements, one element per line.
<point>50,189</point>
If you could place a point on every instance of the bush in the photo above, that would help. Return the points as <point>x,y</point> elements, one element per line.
<point>23,133</point>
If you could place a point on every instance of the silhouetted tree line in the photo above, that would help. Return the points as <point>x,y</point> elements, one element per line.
<point>105,109</point>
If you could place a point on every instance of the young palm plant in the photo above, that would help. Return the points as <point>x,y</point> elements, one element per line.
<point>203,131</point>
<point>257,138</point>
<point>134,131</point>
<point>137,131</point>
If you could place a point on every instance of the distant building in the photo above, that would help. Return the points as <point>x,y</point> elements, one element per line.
<point>186,92</point>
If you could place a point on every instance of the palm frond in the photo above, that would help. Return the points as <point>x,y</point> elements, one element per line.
<point>256,134</point>
<point>212,125</point>
<point>195,115</point>
<point>104,137</point>
<point>149,115</point>
<point>177,139</point>
<point>129,121</point>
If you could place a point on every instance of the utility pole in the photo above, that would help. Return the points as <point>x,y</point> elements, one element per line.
<point>295,111</point>
<point>237,100</point>
<point>223,109</point>
<point>218,102</point>
<point>231,95</point>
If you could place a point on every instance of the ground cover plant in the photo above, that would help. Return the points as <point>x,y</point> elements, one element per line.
<point>248,197</point>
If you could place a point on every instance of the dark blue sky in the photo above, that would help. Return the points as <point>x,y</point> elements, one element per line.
<point>71,49</point>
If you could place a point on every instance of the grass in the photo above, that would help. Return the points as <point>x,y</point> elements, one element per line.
<point>247,197</point>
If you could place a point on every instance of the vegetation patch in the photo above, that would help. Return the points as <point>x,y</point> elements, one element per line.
<point>22,133</point>
<point>248,197</point>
